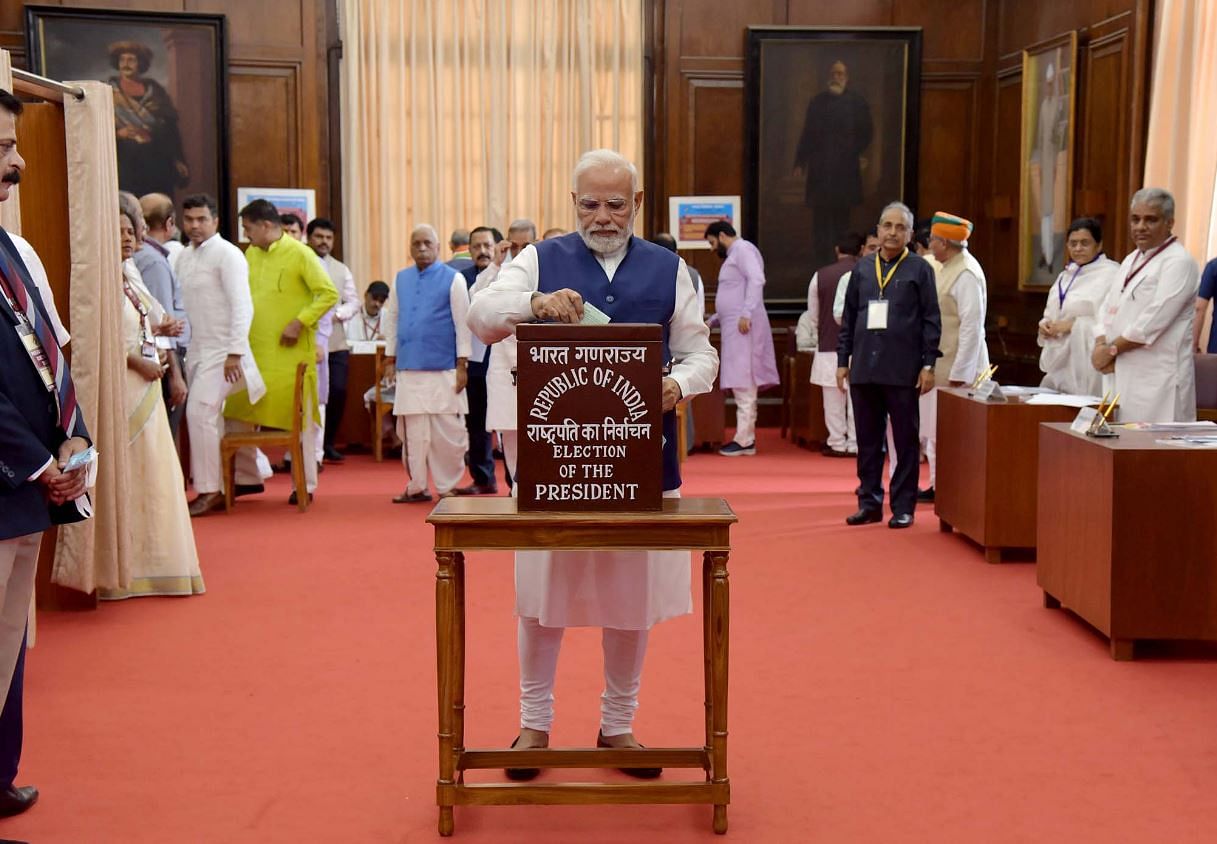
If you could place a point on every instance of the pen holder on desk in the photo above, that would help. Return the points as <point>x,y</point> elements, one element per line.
<point>988,390</point>
<point>1100,428</point>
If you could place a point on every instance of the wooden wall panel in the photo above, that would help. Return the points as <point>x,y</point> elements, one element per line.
<point>282,94</point>
<point>970,120</point>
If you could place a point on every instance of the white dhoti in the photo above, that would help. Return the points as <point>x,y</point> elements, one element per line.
<point>838,407</point>
<point>205,419</point>
<point>431,423</point>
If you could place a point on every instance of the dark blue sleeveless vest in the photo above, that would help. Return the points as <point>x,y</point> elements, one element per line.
<point>426,335</point>
<point>643,290</point>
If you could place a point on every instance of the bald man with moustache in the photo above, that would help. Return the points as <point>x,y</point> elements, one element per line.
<point>428,342</point>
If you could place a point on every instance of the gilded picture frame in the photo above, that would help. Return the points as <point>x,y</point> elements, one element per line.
<point>1046,191</point>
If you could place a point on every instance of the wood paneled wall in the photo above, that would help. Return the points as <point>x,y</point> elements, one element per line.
<point>970,116</point>
<point>282,106</point>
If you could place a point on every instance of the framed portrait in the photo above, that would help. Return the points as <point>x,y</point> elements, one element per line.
<point>688,217</point>
<point>167,73</point>
<point>832,129</point>
<point>1046,176</point>
<point>299,202</point>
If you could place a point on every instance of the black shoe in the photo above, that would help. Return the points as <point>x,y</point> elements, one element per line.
<point>926,495</point>
<point>334,455</point>
<point>864,517</point>
<point>901,520</point>
<point>293,500</point>
<point>636,773</point>
<point>284,468</point>
<point>477,489</point>
<point>247,489</point>
<point>521,774</point>
<point>14,800</point>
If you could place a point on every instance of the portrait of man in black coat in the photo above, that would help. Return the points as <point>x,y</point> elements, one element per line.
<point>837,130</point>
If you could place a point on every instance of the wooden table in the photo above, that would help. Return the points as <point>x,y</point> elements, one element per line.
<point>986,478</point>
<point>468,524</point>
<point>356,427</point>
<point>1126,535</point>
<point>806,402</point>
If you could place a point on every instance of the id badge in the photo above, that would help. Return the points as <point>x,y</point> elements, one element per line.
<point>876,315</point>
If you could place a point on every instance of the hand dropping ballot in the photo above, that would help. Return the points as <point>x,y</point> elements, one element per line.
<point>593,315</point>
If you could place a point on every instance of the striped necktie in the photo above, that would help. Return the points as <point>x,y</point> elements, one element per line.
<point>19,295</point>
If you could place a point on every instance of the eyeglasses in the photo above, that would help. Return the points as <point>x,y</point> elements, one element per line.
<point>587,205</point>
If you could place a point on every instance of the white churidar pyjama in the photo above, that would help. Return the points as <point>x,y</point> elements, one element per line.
<point>624,653</point>
<point>745,415</point>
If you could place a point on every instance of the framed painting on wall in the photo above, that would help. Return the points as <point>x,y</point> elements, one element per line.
<point>1046,175</point>
<point>831,137</point>
<point>688,217</point>
<point>301,203</point>
<point>168,75</point>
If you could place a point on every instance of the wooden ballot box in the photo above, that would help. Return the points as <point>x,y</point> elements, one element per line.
<point>589,478</point>
<point>590,416</point>
<point>1126,535</point>
<point>987,456</point>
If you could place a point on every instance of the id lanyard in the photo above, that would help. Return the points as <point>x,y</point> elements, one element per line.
<point>29,339</point>
<point>1137,269</point>
<point>885,279</point>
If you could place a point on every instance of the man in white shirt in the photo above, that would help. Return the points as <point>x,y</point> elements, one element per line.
<point>161,225</point>
<point>321,238</point>
<point>367,324</point>
<point>962,303</point>
<point>427,339</point>
<point>1145,331</point>
<point>625,593</point>
<point>215,288</point>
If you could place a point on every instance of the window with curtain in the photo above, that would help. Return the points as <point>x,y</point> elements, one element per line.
<point>461,113</point>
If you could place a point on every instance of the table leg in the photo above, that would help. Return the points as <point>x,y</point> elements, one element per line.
<point>707,638</point>
<point>445,618</point>
<point>458,653</point>
<point>720,607</point>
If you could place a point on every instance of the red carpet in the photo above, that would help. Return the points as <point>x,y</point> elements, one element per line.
<point>886,686</point>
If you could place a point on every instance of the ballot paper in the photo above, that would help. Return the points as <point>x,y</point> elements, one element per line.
<point>593,315</point>
<point>1064,400</point>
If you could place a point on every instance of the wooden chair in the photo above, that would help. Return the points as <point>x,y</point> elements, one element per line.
<point>380,409</point>
<point>234,441</point>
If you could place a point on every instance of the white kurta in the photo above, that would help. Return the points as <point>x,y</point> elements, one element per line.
<point>824,364</point>
<point>1065,361</point>
<point>625,590</point>
<point>215,292</point>
<point>500,384</point>
<point>1157,382</point>
<point>348,301</point>
<point>430,391</point>
<point>38,274</point>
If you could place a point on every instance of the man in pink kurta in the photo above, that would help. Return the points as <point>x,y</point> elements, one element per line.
<point>747,362</point>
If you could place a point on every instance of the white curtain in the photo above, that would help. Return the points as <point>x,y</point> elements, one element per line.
<point>461,113</point>
<point>1181,153</point>
<point>96,553</point>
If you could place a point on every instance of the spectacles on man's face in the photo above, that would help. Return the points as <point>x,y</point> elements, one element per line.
<point>616,205</point>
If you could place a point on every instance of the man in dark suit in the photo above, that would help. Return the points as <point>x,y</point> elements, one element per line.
<point>482,241</point>
<point>837,129</point>
<point>887,349</point>
<point>40,429</point>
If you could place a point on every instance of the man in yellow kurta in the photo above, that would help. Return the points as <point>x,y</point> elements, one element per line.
<point>291,291</point>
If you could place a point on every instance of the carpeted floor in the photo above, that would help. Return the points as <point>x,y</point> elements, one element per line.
<point>887,686</point>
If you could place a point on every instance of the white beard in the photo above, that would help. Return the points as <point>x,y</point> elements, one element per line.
<point>606,244</point>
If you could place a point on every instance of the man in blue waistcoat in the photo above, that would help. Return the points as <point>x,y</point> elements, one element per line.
<point>427,340</point>
<point>623,592</point>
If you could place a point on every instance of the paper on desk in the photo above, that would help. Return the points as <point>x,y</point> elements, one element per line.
<point>1064,400</point>
<point>366,347</point>
<point>1027,391</point>
<point>594,316</point>
<point>1201,425</point>
<point>1190,442</point>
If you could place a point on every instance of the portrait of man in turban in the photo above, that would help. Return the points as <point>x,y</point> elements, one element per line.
<point>150,156</point>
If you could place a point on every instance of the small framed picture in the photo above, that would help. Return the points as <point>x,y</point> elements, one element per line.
<point>688,217</point>
<point>299,202</point>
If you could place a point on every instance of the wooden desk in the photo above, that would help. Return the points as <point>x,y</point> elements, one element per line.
<point>468,524</point>
<point>807,428</point>
<point>1126,535</point>
<point>987,458</point>
<point>709,419</point>
<point>356,427</point>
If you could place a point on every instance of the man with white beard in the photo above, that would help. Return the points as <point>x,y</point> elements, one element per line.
<point>623,592</point>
